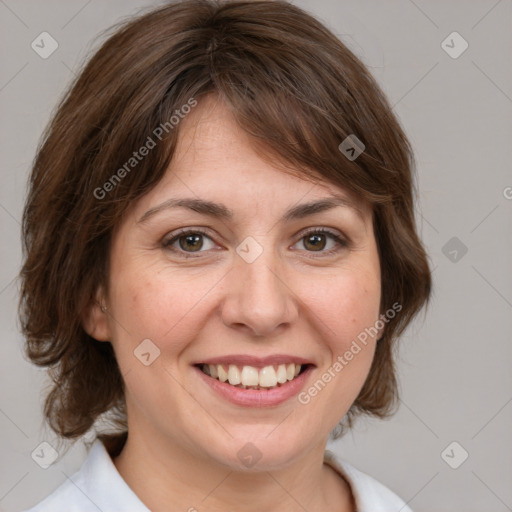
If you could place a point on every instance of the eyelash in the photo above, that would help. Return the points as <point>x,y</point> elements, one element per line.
<point>198,231</point>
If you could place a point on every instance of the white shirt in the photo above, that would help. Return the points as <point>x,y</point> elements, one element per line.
<point>98,487</point>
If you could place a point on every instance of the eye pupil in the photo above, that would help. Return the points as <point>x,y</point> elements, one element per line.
<point>317,238</point>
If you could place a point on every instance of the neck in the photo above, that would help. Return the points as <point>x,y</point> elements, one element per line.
<point>166,476</point>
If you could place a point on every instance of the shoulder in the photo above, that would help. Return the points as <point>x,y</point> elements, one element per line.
<point>96,486</point>
<point>369,494</point>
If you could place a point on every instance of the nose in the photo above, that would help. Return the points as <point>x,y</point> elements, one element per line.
<point>259,296</point>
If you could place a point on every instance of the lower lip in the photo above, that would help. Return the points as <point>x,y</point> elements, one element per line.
<point>257,397</point>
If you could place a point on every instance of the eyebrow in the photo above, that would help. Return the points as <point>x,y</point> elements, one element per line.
<point>222,212</point>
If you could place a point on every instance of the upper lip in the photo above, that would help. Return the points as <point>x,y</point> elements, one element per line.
<point>257,362</point>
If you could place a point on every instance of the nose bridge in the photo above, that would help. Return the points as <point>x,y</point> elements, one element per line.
<point>258,296</point>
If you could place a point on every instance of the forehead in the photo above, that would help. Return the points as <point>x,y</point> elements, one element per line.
<point>217,169</point>
<point>214,155</point>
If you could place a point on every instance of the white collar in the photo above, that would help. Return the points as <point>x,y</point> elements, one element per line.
<point>98,486</point>
<point>369,494</point>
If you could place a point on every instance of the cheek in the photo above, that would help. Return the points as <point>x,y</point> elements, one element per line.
<point>346,308</point>
<point>163,306</point>
<point>347,304</point>
<point>349,308</point>
<point>351,342</point>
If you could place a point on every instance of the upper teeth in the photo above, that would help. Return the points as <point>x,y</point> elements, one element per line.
<point>266,377</point>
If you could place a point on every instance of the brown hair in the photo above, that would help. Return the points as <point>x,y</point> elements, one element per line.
<point>291,84</point>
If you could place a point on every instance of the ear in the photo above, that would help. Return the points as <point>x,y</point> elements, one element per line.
<point>386,317</point>
<point>381,325</point>
<point>95,318</point>
<point>381,332</point>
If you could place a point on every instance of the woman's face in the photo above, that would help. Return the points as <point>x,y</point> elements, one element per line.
<point>256,289</point>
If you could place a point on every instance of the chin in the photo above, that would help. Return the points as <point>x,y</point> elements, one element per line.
<point>259,448</point>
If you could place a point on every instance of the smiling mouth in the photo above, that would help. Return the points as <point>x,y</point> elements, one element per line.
<point>250,377</point>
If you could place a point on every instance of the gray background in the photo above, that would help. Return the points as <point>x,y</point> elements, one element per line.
<point>455,362</point>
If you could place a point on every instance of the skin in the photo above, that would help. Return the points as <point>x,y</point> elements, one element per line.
<point>183,437</point>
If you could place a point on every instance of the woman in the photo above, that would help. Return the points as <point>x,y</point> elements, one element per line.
<point>220,253</point>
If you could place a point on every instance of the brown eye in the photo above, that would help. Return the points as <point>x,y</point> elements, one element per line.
<point>186,242</point>
<point>190,242</point>
<point>316,240</point>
